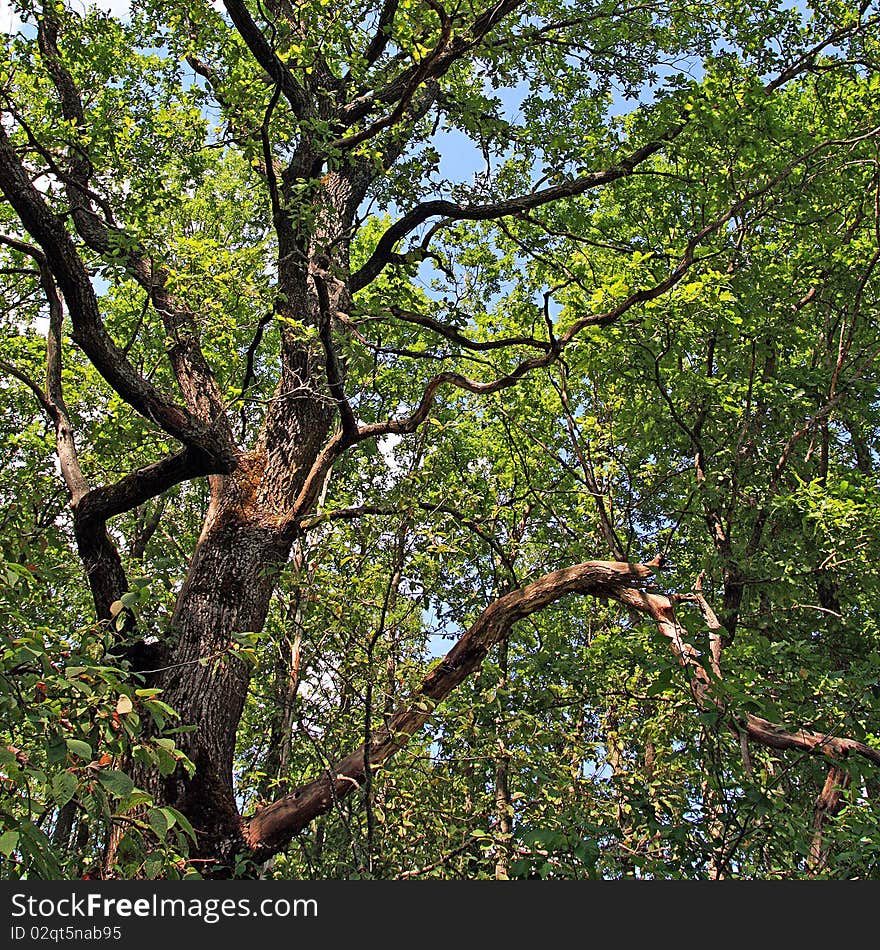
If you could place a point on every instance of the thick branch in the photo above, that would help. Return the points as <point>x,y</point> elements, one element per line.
<point>190,367</point>
<point>269,830</point>
<point>453,211</point>
<point>143,484</point>
<point>272,827</point>
<point>93,509</point>
<point>276,69</point>
<point>383,32</point>
<point>88,331</point>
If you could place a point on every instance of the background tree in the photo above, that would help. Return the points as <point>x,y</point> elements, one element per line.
<point>320,401</point>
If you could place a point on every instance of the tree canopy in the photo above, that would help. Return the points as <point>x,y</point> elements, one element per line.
<point>441,439</point>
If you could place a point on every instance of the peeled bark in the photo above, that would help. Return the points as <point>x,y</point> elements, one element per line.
<point>228,590</point>
<point>828,804</point>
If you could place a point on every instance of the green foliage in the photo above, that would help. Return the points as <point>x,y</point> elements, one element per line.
<point>730,421</point>
<point>70,718</point>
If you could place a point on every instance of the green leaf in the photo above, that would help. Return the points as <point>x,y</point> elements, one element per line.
<point>116,782</point>
<point>8,842</point>
<point>79,748</point>
<point>182,821</point>
<point>135,800</point>
<point>56,749</point>
<point>167,762</point>
<point>158,820</point>
<point>153,865</point>
<point>64,786</point>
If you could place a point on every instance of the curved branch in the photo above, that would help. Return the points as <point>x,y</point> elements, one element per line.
<point>191,369</point>
<point>270,829</point>
<point>453,335</point>
<point>143,484</point>
<point>342,441</point>
<point>31,384</point>
<point>453,211</point>
<point>88,330</point>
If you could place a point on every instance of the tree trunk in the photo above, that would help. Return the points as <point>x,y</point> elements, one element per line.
<point>227,591</point>
<point>248,535</point>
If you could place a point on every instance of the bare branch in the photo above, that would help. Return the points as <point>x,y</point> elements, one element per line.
<point>271,828</point>
<point>103,503</point>
<point>828,804</point>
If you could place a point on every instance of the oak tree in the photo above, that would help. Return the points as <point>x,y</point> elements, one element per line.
<point>335,330</point>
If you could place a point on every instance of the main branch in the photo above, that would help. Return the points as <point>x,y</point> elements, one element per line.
<point>271,828</point>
